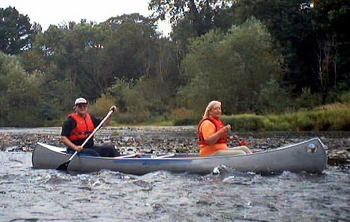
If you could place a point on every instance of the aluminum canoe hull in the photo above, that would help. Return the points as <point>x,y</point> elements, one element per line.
<point>307,156</point>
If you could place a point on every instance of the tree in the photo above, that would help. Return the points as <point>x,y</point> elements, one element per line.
<point>15,31</point>
<point>234,68</point>
<point>21,96</point>
<point>289,22</point>
<point>70,57</point>
<point>333,46</point>
<point>148,64</point>
<point>130,49</point>
<point>201,14</point>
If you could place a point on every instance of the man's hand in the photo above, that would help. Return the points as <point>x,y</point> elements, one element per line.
<point>79,149</point>
<point>114,108</point>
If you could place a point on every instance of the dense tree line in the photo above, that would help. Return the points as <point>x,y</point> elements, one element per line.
<point>255,56</point>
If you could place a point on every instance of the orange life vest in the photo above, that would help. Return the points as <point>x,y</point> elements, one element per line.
<point>85,126</point>
<point>218,125</point>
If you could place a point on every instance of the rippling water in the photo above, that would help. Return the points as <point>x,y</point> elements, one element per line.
<point>49,195</point>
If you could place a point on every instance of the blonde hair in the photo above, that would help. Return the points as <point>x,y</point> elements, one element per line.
<point>209,107</point>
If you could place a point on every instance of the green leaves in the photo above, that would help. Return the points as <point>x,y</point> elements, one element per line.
<point>15,31</point>
<point>232,67</point>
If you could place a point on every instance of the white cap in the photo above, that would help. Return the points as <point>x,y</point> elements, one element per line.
<point>80,101</point>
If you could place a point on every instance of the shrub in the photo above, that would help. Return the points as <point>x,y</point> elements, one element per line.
<point>307,99</point>
<point>183,117</point>
<point>102,106</point>
<point>244,122</point>
<point>275,123</point>
<point>133,118</point>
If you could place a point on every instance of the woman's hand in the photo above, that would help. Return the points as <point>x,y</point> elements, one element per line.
<point>226,128</point>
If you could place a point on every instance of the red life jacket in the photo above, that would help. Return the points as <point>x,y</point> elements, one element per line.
<point>85,126</point>
<point>218,125</point>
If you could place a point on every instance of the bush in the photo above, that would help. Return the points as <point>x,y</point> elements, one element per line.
<point>186,122</point>
<point>302,122</point>
<point>345,97</point>
<point>307,99</point>
<point>324,118</point>
<point>133,118</point>
<point>102,106</point>
<point>336,116</point>
<point>183,117</point>
<point>275,123</point>
<point>244,122</point>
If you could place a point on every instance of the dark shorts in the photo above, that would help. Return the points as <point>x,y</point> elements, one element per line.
<point>98,150</point>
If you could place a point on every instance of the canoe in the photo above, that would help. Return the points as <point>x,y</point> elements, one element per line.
<point>307,156</point>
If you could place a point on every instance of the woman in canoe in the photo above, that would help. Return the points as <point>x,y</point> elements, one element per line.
<point>77,128</point>
<point>213,134</point>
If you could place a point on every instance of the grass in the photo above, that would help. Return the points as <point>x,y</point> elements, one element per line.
<point>334,117</point>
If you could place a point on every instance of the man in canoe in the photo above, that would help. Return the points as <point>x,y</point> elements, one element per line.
<point>77,128</point>
<point>213,134</point>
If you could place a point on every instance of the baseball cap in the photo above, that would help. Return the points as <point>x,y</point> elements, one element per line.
<point>80,101</point>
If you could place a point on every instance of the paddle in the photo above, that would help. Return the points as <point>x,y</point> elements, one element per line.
<point>64,166</point>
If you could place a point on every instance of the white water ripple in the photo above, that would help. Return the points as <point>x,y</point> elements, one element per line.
<point>49,195</point>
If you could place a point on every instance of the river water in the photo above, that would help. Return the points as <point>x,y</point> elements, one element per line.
<point>28,194</point>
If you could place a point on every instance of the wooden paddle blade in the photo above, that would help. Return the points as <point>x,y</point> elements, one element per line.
<point>63,166</point>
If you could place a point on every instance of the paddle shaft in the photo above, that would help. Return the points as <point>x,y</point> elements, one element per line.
<point>93,133</point>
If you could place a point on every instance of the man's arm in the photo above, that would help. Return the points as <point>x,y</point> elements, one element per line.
<point>67,127</point>
<point>71,145</point>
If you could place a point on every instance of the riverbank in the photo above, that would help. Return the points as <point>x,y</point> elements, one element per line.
<point>170,139</point>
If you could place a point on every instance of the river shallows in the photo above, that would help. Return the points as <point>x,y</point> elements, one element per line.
<point>49,195</point>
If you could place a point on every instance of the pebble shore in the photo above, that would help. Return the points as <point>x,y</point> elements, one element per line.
<point>150,139</point>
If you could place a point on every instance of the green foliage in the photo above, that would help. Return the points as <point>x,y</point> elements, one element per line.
<point>300,122</point>
<point>272,98</point>
<point>334,117</point>
<point>244,122</point>
<point>132,99</point>
<point>183,116</point>
<point>15,31</point>
<point>202,15</point>
<point>102,105</point>
<point>10,74</point>
<point>186,122</point>
<point>292,57</point>
<point>183,113</point>
<point>198,67</point>
<point>307,99</point>
<point>130,50</point>
<point>333,44</point>
<point>275,123</point>
<point>233,68</point>
<point>313,40</point>
<point>20,103</point>
<point>345,97</point>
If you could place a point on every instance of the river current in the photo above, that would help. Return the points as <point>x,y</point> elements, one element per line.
<point>28,194</point>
